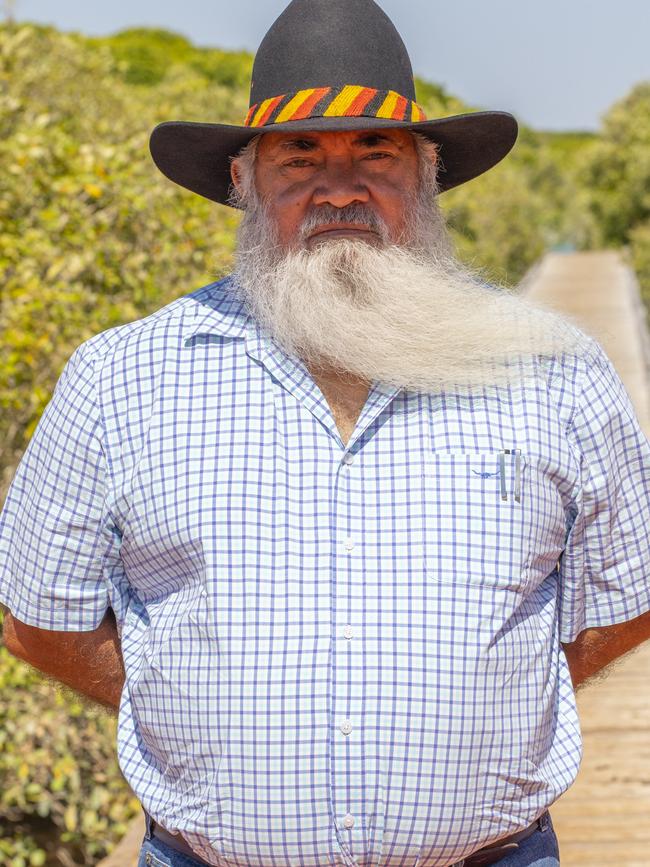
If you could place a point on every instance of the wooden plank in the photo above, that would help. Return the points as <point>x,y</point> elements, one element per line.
<point>604,818</point>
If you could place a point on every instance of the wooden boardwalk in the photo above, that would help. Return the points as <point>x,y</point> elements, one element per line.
<point>604,818</point>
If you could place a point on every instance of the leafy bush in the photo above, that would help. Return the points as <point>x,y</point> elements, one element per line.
<point>145,56</point>
<point>617,173</point>
<point>505,219</point>
<point>60,785</point>
<point>616,180</point>
<point>92,234</point>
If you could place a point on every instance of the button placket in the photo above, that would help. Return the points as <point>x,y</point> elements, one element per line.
<point>346,748</point>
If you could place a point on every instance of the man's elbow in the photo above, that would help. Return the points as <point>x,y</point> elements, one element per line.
<point>9,632</point>
<point>18,637</point>
<point>38,647</point>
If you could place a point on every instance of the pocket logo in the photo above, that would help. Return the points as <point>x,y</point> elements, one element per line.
<point>485,475</point>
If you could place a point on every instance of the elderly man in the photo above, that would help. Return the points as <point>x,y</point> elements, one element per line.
<point>342,533</point>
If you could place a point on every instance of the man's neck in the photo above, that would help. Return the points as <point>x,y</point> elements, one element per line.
<point>345,393</point>
<point>337,376</point>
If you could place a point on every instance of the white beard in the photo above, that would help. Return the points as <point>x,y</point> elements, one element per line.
<point>408,315</point>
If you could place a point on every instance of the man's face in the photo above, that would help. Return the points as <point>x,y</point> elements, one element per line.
<point>344,257</point>
<point>296,173</point>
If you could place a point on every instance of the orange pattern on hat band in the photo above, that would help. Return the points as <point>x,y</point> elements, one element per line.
<point>351,100</point>
<point>416,113</point>
<point>265,111</point>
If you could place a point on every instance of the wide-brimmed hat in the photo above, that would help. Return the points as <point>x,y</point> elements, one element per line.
<point>330,65</point>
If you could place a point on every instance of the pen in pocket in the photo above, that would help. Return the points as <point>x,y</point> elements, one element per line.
<point>502,473</point>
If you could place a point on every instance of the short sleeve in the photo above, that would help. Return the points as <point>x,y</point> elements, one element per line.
<point>605,568</point>
<point>55,539</point>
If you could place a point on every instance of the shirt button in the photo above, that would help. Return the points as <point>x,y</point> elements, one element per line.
<point>349,544</point>
<point>347,632</point>
<point>348,821</point>
<point>348,458</point>
<point>346,726</point>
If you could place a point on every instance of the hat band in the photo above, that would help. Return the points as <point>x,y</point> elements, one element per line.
<point>350,100</point>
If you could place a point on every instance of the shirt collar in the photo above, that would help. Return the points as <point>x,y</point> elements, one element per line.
<point>215,309</point>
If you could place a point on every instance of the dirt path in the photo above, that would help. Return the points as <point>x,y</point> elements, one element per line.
<point>604,818</point>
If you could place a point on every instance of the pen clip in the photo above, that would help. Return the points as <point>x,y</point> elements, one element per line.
<point>502,472</point>
<point>517,454</point>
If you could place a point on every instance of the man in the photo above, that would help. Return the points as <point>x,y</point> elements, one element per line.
<point>364,522</point>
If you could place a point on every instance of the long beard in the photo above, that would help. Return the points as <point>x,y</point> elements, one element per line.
<point>408,315</point>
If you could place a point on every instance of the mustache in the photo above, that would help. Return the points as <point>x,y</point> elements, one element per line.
<point>355,212</point>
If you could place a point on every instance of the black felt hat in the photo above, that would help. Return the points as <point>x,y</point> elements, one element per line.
<point>330,65</point>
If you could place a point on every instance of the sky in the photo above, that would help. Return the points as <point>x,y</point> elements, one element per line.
<point>556,65</point>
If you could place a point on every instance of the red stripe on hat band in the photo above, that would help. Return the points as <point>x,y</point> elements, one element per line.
<point>313,104</point>
<point>361,101</point>
<point>400,108</point>
<point>269,111</point>
<point>310,103</point>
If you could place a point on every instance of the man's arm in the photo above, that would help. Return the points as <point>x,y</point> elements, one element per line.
<point>596,648</point>
<point>88,662</point>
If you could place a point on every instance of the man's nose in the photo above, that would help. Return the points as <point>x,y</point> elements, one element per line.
<point>340,185</point>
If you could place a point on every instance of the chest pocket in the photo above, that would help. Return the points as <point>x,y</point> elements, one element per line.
<point>479,519</point>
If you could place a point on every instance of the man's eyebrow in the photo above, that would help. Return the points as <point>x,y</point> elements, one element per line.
<point>371,139</point>
<point>301,144</point>
<point>367,139</point>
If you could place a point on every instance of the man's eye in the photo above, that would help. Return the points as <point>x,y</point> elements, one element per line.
<point>378,155</point>
<point>298,163</point>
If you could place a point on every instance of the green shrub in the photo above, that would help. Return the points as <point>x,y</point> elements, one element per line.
<point>60,784</point>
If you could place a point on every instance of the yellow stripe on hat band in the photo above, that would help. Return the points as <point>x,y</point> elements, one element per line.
<point>293,105</point>
<point>388,105</point>
<point>341,101</point>
<point>259,114</point>
<point>416,113</point>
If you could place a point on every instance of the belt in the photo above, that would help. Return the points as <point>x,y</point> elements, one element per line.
<point>494,852</point>
<point>487,855</point>
<point>174,841</point>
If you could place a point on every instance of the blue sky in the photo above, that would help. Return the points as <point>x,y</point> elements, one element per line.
<point>556,65</point>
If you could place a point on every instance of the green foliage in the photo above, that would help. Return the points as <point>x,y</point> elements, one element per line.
<point>435,100</point>
<point>60,785</point>
<point>91,234</point>
<point>504,220</point>
<point>617,172</point>
<point>145,56</point>
<point>616,176</point>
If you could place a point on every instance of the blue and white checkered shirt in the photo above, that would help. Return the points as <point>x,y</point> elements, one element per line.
<point>334,654</point>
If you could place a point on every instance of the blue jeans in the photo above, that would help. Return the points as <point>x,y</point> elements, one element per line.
<point>538,850</point>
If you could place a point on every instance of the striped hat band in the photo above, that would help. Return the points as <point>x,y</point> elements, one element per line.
<point>351,100</point>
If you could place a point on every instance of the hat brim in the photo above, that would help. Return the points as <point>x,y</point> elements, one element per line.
<point>197,155</point>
